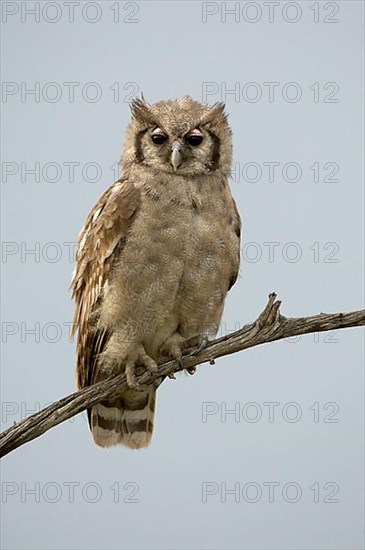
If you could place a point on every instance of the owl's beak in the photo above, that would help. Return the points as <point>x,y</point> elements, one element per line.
<point>175,155</point>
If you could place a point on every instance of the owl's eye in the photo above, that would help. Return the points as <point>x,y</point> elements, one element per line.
<point>194,139</point>
<point>159,138</point>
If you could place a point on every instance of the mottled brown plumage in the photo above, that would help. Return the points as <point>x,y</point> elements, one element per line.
<point>156,258</point>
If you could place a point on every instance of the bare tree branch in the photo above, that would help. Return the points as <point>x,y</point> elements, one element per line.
<point>268,327</point>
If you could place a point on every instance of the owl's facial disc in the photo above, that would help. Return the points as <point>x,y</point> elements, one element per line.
<point>177,149</point>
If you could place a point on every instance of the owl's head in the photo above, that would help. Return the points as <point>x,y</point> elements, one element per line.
<point>182,137</point>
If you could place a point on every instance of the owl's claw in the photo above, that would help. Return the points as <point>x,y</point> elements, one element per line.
<point>172,348</point>
<point>181,365</point>
<point>131,375</point>
<point>200,347</point>
<point>140,359</point>
<point>196,351</point>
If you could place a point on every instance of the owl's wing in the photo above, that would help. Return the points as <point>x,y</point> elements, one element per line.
<point>104,232</point>
<point>236,227</point>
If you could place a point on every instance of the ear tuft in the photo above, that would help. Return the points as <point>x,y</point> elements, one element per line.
<point>218,111</point>
<point>216,114</point>
<point>140,109</point>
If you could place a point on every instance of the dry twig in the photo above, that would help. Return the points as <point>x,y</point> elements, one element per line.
<point>268,327</point>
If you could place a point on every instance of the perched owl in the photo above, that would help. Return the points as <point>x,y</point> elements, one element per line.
<point>156,258</point>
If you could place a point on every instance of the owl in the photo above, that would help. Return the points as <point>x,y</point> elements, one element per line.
<point>156,257</point>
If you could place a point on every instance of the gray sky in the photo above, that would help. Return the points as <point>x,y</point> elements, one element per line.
<point>292,451</point>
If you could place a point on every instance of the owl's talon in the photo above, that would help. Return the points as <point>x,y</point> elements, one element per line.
<point>200,347</point>
<point>131,375</point>
<point>141,359</point>
<point>151,368</point>
<point>172,348</point>
<point>181,365</point>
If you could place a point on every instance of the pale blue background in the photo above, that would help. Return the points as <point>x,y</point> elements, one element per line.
<point>167,53</point>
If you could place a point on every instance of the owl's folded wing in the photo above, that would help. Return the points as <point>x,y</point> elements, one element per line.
<point>105,230</point>
<point>236,233</point>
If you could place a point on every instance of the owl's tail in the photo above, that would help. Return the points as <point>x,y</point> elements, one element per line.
<point>127,420</point>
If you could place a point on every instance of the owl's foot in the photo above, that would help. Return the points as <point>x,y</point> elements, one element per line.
<point>137,359</point>
<point>199,348</point>
<point>172,347</point>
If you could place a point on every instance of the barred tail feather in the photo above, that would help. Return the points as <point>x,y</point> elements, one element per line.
<point>125,421</point>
